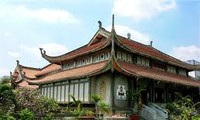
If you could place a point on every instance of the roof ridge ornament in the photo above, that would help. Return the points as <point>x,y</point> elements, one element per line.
<point>100,24</point>
<point>113,21</point>
<point>42,51</point>
<point>151,43</point>
<point>17,62</point>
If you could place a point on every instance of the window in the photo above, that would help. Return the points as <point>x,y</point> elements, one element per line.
<point>118,55</point>
<point>82,62</point>
<point>129,58</point>
<point>55,92</point>
<point>182,72</point>
<point>62,93</point>
<point>71,92</point>
<point>139,60</point>
<point>107,55</point>
<point>88,60</point>
<point>96,58</point>
<point>124,56</point>
<point>171,69</point>
<point>102,57</point>
<point>66,92</point>
<point>81,92</point>
<point>142,61</point>
<point>51,91</point>
<point>59,93</point>
<point>86,92</point>
<point>76,87</point>
<point>43,90</point>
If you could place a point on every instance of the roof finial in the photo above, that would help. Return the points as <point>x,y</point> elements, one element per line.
<point>42,51</point>
<point>129,35</point>
<point>10,73</point>
<point>100,24</point>
<point>17,62</point>
<point>113,21</point>
<point>151,43</point>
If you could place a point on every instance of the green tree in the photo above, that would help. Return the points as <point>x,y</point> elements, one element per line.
<point>7,98</point>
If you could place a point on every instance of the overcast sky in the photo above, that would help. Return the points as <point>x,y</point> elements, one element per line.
<point>60,26</point>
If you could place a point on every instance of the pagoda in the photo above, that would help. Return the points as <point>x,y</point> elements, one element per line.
<point>109,66</point>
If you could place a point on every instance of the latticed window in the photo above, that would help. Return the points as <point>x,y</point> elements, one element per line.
<point>182,72</point>
<point>60,91</point>
<point>171,69</point>
<point>142,61</point>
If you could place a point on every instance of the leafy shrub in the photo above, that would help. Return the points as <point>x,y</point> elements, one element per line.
<point>35,102</point>
<point>182,108</point>
<point>49,116</point>
<point>7,99</point>
<point>26,114</point>
<point>6,117</point>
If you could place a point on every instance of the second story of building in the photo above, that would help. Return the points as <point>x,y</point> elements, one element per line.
<point>125,49</point>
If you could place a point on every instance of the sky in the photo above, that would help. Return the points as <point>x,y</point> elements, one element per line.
<point>60,26</point>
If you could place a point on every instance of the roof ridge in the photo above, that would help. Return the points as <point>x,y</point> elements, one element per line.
<point>28,67</point>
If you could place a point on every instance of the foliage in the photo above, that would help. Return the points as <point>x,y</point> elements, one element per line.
<point>78,111</point>
<point>5,80</point>
<point>196,117</point>
<point>103,107</point>
<point>49,116</point>
<point>182,108</point>
<point>34,101</point>
<point>96,98</point>
<point>26,114</point>
<point>6,117</point>
<point>89,113</point>
<point>7,98</point>
<point>100,105</point>
<point>135,96</point>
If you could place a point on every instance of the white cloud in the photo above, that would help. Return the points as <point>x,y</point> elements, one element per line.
<point>43,14</point>
<point>5,34</point>
<point>135,35</point>
<point>52,49</point>
<point>14,54</point>
<point>142,9</point>
<point>186,53</point>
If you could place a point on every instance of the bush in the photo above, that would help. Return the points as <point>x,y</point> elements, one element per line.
<point>7,99</point>
<point>182,108</point>
<point>35,102</point>
<point>6,117</point>
<point>26,114</point>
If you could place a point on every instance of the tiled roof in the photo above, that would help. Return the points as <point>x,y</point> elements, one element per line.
<point>158,74</point>
<point>72,73</point>
<point>30,72</point>
<point>151,52</point>
<point>80,51</point>
<point>47,69</point>
<point>26,85</point>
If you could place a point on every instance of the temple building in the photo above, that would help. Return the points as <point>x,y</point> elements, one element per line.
<point>109,66</point>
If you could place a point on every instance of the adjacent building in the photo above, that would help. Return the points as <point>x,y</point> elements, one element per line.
<point>196,73</point>
<point>109,65</point>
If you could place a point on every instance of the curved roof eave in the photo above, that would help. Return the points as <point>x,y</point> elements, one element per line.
<point>103,68</point>
<point>75,53</point>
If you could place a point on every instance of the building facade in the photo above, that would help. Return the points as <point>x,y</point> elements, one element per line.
<point>109,66</point>
<point>196,73</point>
